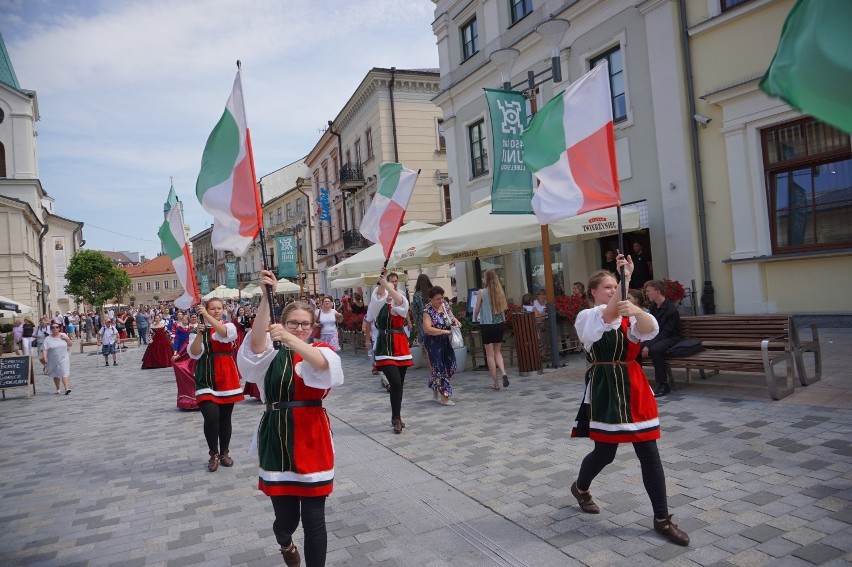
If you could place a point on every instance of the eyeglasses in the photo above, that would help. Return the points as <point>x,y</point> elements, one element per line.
<point>293,325</point>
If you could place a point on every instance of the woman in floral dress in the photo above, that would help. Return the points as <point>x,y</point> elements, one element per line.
<point>437,321</point>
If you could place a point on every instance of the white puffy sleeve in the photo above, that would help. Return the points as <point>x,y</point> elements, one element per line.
<point>376,304</point>
<point>400,310</point>
<point>253,366</point>
<point>322,379</point>
<point>590,325</point>
<point>230,337</point>
<point>637,336</point>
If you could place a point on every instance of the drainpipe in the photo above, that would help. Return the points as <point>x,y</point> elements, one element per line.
<point>340,163</point>
<point>308,215</point>
<point>393,115</point>
<point>708,302</point>
<point>41,265</point>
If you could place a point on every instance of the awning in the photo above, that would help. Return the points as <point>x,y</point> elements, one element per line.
<point>11,309</point>
<point>478,233</point>
<point>370,260</point>
<point>222,292</point>
<point>364,280</point>
<point>251,290</point>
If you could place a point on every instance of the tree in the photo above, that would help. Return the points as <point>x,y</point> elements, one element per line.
<point>94,278</point>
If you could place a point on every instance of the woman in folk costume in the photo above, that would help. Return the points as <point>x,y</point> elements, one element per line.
<point>386,314</point>
<point>618,404</point>
<point>293,438</point>
<point>159,352</point>
<point>217,382</point>
<point>183,365</point>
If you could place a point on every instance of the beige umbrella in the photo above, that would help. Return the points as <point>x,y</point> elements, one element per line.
<point>252,290</point>
<point>222,292</point>
<point>286,286</point>
<point>364,280</point>
<point>479,233</point>
<point>370,260</point>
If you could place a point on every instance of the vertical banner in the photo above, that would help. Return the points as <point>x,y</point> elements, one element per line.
<point>60,265</point>
<point>285,246</point>
<point>231,275</point>
<point>205,284</point>
<point>511,182</point>
<point>324,205</point>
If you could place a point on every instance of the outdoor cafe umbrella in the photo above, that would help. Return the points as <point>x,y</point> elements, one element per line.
<point>22,310</point>
<point>222,292</point>
<point>364,280</point>
<point>251,290</point>
<point>479,233</point>
<point>286,286</point>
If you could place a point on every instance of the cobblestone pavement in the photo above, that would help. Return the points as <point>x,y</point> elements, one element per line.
<point>114,474</point>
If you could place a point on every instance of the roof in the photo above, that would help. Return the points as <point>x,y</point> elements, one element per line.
<point>117,257</point>
<point>158,266</point>
<point>7,72</point>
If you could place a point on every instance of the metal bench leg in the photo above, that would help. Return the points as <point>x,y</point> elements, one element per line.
<point>799,352</point>
<point>775,391</point>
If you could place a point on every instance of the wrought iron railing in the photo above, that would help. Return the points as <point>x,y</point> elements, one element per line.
<point>353,239</point>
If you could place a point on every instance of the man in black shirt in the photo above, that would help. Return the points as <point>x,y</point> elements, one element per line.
<point>665,312</point>
<point>643,269</point>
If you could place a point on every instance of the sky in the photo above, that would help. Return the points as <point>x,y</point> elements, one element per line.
<point>129,90</point>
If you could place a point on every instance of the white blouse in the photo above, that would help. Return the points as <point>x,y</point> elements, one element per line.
<point>590,327</point>
<point>231,337</point>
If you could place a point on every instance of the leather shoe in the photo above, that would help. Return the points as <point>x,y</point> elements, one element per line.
<point>291,555</point>
<point>213,463</point>
<point>584,499</point>
<point>225,460</point>
<point>397,425</point>
<point>662,390</point>
<point>671,531</point>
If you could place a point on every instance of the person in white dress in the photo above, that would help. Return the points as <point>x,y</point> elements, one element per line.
<point>55,355</point>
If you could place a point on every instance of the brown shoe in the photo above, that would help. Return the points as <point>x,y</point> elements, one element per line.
<point>291,555</point>
<point>402,423</point>
<point>671,531</point>
<point>397,425</point>
<point>584,499</point>
<point>213,463</point>
<point>226,460</point>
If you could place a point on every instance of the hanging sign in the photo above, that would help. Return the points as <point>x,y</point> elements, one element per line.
<point>511,182</point>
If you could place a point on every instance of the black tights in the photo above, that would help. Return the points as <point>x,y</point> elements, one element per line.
<point>217,425</point>
<point>396,379</point>
<point>653,476</point>
<point>313,524</point>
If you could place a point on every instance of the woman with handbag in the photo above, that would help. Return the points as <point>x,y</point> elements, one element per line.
<point>327,318</point>
<point>439,326</point>
<point>386,315</point>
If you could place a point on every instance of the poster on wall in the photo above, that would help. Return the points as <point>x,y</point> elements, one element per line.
<point>60,265</point>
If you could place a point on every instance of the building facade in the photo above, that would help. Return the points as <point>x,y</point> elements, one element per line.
<point>389,117</point>
<point>209,264</point>
<point>153,281</point>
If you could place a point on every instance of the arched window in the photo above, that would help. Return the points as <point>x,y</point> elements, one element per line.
<point>2,160</point>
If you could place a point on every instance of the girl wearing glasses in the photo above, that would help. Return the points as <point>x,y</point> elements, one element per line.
<point>217,382</point>
<point>293,438</point>
<point>55,357</point>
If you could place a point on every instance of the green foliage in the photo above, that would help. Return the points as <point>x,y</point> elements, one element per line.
<point>93,278</point>
<point>6,327</point>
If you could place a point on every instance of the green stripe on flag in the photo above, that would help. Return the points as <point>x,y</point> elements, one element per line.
<point>544,138</point>
<point>220,155</point>
<point>171,245</point>
<point>389,178</point>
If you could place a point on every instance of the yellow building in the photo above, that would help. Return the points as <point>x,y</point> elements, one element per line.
<point>153,281</point>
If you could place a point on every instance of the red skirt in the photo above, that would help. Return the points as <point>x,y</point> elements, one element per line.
<point>159,352</point>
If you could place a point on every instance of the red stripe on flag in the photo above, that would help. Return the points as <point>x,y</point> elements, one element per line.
<point>243,198</point>
<point>389,226</point>
<point>592,164</point>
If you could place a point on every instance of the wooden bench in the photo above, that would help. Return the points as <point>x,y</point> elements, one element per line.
<point>120,342</point>
<point>749,343</point>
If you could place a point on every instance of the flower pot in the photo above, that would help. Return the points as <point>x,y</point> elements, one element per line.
<point>417,355</point>
<point>461,359</point>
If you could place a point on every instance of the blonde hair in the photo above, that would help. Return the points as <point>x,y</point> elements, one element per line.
<point>295,305</point>
<point>495,292</point>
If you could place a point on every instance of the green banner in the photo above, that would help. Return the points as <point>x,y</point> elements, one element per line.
<point>231,275</point>
<point>511,182</point>
<point>285,247</point>
<point>205,284</point>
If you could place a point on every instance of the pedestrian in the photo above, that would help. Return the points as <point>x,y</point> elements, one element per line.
<point>637,297</point>
<point>27,338</point>
<point>107,339</point>
<point>159,352</point>
<point>41,333</point>
<point>384,324</point>
<point>668,320</point>
<point>217,382</point>
<point>418,303</point>
<point>490,312</point>
<point>130,325</point>
<point>618,405</point>
<point>184,366</point>
<point>643,266</point>
<point>327,318</point>
<point>55,356</point>
<point>293,438</point>
<point>437,322</point>
<point>143,323</point>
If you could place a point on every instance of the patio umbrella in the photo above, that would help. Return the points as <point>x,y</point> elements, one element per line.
<point>25,310</point>
<point>364,280</point>
<point>222,292</point>
<point>286,286</point>
<point>252,290</point>
<point>479,233</point>
<point>370,260</point>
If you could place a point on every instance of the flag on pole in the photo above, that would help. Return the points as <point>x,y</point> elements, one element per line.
<point>173,236</point>
<point>226,184</point>
<point>812,68</point>
<point>382,220</point>
<point>570,150</point>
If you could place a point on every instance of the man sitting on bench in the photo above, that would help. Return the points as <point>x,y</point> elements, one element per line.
<point>665,312</point>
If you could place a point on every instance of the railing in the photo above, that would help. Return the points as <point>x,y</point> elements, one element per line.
<point>353,239</point>
<point>351,176</point>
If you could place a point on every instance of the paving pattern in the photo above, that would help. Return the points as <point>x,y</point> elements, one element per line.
<point>114,474</point>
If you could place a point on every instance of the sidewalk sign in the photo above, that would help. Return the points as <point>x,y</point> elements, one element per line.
<point>15,372</point>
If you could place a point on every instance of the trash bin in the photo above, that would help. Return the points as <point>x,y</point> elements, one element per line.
<point>527,344</point>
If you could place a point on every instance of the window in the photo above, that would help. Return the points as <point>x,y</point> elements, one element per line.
<point>138,286</point>
<point>469,39</point>
<point>616,81</point>
<point>278,215</point>
<point>731,4</point>
<point>808,168</point>
<point>448,208</point>
<point>157,285</point>
<point>442,141</point>
<point>147,286</point>
<point>518,9</point>
<point>2,158</point>
<point>174,284</point>
<point>298,207</point>
<point>478,153</point>
<point>165,284</point>
<point>289,210</point>
<point>270,219</point>
<point>339,223</point>
<point>336,170</point>
<point>358,150</point>
<point>348,157</point>
<point>368,137</point>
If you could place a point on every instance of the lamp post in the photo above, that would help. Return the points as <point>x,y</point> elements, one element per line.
<point>552,32</point>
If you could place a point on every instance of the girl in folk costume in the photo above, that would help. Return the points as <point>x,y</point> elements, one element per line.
<point>217,383</point>
<point>293,438</point>
<point>386,315</point>
<point>618,404</point>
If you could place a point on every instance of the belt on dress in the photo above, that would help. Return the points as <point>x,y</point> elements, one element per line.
<point>214,354</point>
<point>612,363</point>
<point>275,406</point>
<point>391,331</point>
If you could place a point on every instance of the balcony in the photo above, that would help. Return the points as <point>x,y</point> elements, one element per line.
<point>353,239</point>
<point>351,176</point>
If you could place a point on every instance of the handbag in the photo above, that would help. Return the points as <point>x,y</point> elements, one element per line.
<point>315,334</point>
<point>686,347</point>
<point>456,339</point>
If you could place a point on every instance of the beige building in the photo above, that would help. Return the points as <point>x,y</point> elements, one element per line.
<point>153,281</point>
<point>209,264</point>
<point>776,182</point>
<point>36,244</point>
<point>389,117</point>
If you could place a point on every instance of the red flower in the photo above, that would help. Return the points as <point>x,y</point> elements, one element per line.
<point>568,306</point>
<point>674,291</point>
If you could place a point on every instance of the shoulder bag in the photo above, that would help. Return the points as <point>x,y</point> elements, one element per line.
<point>456,339</point>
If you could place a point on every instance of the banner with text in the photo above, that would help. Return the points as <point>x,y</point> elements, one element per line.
<point>205,284</point>
<point>511,182</point>
<point>231,275</point>
<point>286,252</point>
<point>324,205</point>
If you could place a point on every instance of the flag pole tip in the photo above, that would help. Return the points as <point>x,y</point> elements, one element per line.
<point>239,65</point>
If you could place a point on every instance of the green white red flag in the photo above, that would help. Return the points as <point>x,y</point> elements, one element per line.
<point>382,220</point>
<point>226,186</point>
<point>173,236</point>
<point>570,150</point>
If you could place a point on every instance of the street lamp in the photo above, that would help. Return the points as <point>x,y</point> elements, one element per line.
<point>552,32</point>
<point>505,60</point>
